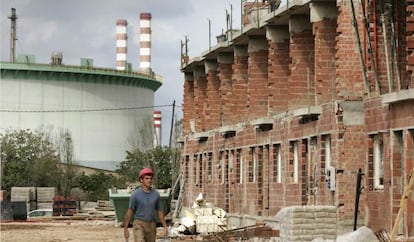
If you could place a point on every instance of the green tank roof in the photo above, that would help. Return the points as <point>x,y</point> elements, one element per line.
<point>31,71</point>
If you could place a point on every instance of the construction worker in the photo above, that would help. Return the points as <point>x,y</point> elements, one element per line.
<point>143,204</point>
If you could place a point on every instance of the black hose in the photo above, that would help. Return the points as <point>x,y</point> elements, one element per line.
<point>358,193</point>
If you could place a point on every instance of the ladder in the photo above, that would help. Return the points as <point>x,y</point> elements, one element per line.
<point>179,203</point>
<point>403,202</point>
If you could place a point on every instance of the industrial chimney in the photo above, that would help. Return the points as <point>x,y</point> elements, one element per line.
<point>145,42</point>
<point>157,128</point>
<point>121,44</point>
<point>13,38</point>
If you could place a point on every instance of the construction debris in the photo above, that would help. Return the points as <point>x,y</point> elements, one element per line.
<point>204,221</point>
<point>202,218</point>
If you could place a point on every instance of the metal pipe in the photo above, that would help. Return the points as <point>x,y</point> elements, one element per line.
<point>361,56</point>
<point>172,124</point>
<point>384,34</point>
<point>394,45</point>
<point>370,50</point>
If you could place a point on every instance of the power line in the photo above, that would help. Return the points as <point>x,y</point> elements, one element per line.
<point>85,110</point>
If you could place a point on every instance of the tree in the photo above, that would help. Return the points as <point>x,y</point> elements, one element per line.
<point>143,136</point>
<point>64,146</point>
<point>28,159</point>
<point>159,159</point>
<point>96,185</point>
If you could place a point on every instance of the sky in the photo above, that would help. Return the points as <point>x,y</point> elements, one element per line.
<point>87,29</point>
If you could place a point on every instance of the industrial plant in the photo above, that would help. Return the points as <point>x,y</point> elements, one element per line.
<point>103,109</point>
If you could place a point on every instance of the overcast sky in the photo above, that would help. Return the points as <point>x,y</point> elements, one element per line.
<point>87,29</point>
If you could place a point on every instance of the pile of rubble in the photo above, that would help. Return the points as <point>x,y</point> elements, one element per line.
<point>202,218</point>
<point>204,221</point>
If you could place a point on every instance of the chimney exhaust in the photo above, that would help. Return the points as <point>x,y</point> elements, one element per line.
<point>121,44</point>
<point>13,38</point>
<point>145,42</point>
<point>157,128</point>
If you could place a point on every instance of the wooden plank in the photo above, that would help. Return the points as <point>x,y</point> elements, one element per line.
<point>403,202</point>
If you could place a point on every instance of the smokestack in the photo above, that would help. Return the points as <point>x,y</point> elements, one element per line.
<point>157,128</point>
<point>145,42</point>
<point>121,44</point>
<point>13,38</point>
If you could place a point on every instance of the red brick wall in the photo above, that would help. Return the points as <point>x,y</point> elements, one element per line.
<point>301,86</point>
<point>239,82</point>
<point>200,85</point>
<point>325,33</point>
<point>213,105</point>
<point>257,84</point>
<point>278,75</point>
<point>224,73</point>
<point>188,101</point>
<point>349,82</point>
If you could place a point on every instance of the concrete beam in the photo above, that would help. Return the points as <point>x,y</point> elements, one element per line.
<point>240,50</point>
<point>277,34</point>
<point>210,65</point>
<point>188,76</point>
<point>257,44</point>
<point>299,23</point>
<point>320,11</point>
<point>225,58</point>
<point>199,72</point>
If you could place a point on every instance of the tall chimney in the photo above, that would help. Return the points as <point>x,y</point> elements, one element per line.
<point>121,44</point>
<point>157,128</point>
<point>13,38</point>
<point>145,42</point>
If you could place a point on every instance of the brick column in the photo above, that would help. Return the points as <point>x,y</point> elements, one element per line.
<point>323,18</point>
<point>278,37</point>
<point>257,73</point>
<point>349,83</point>
<point>239,82</point>
<point>200,85</point>
<point>225,62</point>
<point>301,83</point>
<point>213,108</point>
<point>188,102</point>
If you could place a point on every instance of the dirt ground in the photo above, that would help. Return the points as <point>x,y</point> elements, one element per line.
<point>59,231</point>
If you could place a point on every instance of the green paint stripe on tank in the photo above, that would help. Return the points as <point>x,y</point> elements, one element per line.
<point>79,74</point>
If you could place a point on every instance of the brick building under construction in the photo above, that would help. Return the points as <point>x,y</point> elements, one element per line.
<point>296,105</point>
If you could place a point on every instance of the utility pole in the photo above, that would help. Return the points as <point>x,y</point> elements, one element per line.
<point>13,38</point>
<point>172,124</point>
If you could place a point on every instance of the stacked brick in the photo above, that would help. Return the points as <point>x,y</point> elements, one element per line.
<point>64,206</point>
<point>45,197</point>
<point>306,223</point>
<point>24,194</point>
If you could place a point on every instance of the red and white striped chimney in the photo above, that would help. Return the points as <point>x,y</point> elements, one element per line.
<point>145,42</point>
<point>157,128</point>
<point>121,44</point>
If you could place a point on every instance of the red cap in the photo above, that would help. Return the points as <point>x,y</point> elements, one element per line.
<point>145,171</point>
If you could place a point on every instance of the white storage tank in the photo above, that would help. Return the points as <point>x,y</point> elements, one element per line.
<point>103,109</point>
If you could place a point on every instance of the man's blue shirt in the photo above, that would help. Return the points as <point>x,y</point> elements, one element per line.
<point>144,204</point>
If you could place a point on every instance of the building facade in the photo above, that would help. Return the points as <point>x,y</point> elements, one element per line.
<point>292,107</point>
